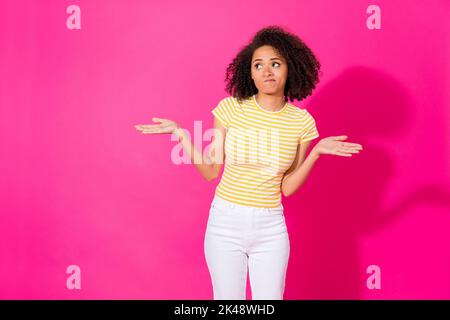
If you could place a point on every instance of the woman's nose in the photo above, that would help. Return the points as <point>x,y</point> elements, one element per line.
<point>268,72</point>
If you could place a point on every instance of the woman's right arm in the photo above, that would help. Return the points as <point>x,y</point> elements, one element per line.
<point>210,164</point>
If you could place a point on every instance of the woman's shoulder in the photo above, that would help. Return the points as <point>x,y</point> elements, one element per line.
<point>299,115</point>
<point>234,100</point>
<point>233,103</point>
<point>301,112</point>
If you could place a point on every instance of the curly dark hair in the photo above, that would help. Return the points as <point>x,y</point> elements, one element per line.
<point>303,67</point>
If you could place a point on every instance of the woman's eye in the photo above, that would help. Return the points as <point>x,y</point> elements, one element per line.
<point>256,65</point>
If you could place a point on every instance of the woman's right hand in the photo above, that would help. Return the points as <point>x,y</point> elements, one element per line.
<point>165,126</point>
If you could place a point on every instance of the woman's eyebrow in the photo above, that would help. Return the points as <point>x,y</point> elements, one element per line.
<point>262,59</point>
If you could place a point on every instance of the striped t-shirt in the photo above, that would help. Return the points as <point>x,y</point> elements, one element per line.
<point>260,146</point>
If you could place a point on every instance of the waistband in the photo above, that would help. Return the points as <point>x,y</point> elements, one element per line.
<point>232,205</point>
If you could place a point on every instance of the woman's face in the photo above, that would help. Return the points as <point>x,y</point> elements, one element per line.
<point>269,70</point>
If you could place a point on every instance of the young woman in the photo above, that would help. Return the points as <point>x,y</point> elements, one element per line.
<point>263,141</point>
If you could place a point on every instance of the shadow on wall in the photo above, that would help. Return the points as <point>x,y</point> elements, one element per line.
<point>343,199</point>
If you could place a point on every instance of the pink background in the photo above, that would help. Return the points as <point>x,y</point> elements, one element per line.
<point>79,185</point>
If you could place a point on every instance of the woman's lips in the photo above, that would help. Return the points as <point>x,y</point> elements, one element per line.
<point>270,80</point>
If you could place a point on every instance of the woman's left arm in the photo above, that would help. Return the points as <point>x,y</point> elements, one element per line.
<point>299,171</point>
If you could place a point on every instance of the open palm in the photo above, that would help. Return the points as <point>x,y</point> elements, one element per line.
<point>165,126</point>
<point>337,146</point>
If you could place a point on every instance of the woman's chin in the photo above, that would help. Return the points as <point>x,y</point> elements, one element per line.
<point>268,91</point>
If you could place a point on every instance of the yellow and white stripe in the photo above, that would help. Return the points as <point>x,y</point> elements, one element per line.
<point>260,146</point>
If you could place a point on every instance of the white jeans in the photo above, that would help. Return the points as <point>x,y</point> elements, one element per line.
<point>238,237</point>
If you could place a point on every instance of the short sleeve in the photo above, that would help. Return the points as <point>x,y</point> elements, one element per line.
<point>224,112</point>
<point>309,131</point>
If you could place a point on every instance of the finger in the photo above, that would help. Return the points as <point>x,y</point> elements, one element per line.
<point>341,137</point>
<point>151,129</point>
<point>141,129</point>
<point>147,126</point>
<point>343,154</point>
<point>349,149</point>
<point>353,145</point>
<point>158,119</point>
<point>154,130</point>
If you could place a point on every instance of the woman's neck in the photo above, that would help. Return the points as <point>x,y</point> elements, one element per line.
<point>270,102</point>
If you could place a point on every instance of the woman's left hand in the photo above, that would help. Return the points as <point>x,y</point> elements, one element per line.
<point>336,146</point>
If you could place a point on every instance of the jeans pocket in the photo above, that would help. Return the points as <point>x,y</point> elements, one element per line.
<point>215,210</point>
